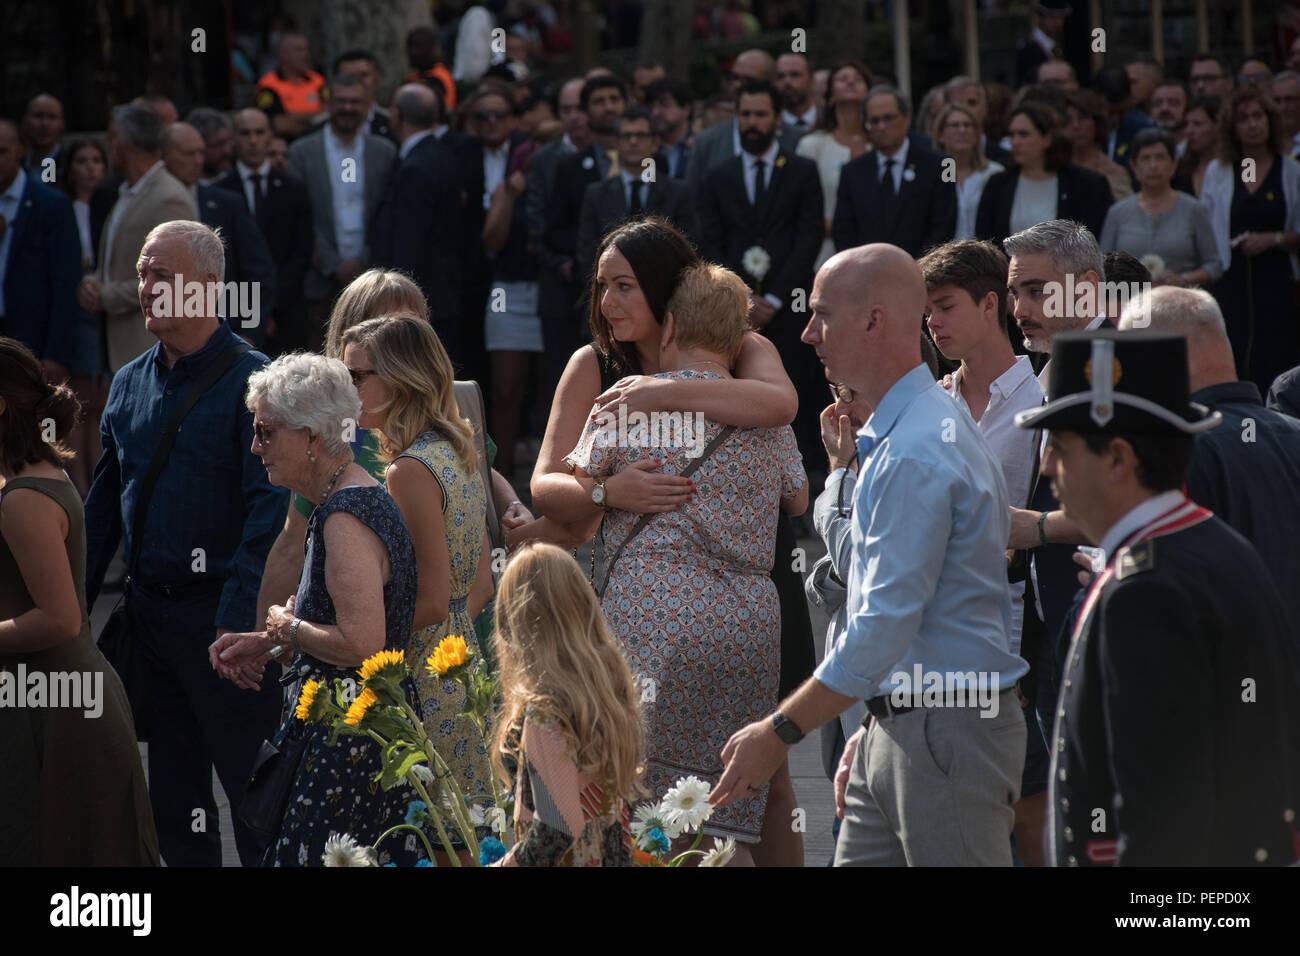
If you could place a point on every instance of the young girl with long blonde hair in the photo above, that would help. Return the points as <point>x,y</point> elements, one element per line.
<point>570,719</point>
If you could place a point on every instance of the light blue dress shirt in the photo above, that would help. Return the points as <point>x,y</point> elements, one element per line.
<point>928,580</point>
<point>9,202</point>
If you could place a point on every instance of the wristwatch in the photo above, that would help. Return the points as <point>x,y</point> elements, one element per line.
<point>598,493</point>
<point>786,728</point>
<point>293,635</point>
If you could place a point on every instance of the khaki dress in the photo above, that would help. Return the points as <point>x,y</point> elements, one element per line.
<point>72,786</point>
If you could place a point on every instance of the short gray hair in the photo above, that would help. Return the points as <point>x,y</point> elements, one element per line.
<point>900,98</point>
<point>1187,312</point>
<point>207,121</point>
<point>206,247</point>
<point>1073,248</point>
<point>304,390</point>
<point>140,126</point>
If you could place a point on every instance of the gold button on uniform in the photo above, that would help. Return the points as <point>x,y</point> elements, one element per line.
<point>1069,835</point>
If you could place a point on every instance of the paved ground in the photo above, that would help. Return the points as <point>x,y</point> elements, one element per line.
<point>812,788</point>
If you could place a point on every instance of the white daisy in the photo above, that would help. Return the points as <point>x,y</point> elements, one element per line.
<point>651,815</point>
<point>1154,263</point>
<point>344,851</point>
<point>687,804</point>
<point>756,261</point>
<point>721,853</point>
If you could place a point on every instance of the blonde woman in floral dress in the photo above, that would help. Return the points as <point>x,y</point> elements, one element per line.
<point>404,377</point>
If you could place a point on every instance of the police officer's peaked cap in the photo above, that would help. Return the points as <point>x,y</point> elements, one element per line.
<point>1108,381</point>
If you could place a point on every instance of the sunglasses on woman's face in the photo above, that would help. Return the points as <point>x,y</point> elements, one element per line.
<point>359,375</point>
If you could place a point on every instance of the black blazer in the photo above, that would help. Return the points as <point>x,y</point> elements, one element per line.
<point>285,220</point>
<point>248,257</point>
<point>573,174</point>
<point>789,225</point>
<point>925,213</point>
<point>604,205</point>
<point>415,226</point>
<point>1082,195</point>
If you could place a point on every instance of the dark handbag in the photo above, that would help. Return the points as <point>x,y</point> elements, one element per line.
<point>115,641</point>
<point>602,581</point>
<point>267,791</point>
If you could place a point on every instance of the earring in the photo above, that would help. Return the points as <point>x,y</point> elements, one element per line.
<point>310,456</point>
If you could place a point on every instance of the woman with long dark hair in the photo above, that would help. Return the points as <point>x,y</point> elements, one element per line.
<point>641,265</point>
<point>72,787</point>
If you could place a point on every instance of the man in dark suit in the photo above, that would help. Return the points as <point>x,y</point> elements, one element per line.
<point>794,84</point>
<point>636,190</point>
<point>560,335</point>
<point>1045,42</point>
<point>40,265</point>
<point>670,106</point>
<point>896,193</point>
<point>248,258</point>
<point>279,205</point>
<point>761,216</point>
<point>414,227</point>
<point>1175,733</point>
<point>602,100</point>
<point>346,172</point>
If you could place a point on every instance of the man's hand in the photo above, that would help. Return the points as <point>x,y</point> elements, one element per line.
<point>750,758</point>
<point>837,436</point>
<point>1084,561</point>
<point>348,270</point>
<point>846,765</point>
<point>89,293</point>
<point>1024,529</point>
<point>761,312</point>
<point>240,657</point>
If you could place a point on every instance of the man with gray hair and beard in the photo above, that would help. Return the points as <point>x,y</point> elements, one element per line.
<point>196,547</point>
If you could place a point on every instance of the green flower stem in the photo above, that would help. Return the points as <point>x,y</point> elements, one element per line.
<point>676,861</point>
<point>406,826</point>
<point>459,811</point>
<point>436,816</point>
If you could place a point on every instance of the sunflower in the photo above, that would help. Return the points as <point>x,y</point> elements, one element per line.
<point>357,712</point>
<point>450,653</point>
<point>306,699</point>
<point>383,662</point>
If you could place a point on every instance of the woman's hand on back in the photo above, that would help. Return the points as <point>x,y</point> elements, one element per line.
<point>639,393</point>
<point>642,489</point>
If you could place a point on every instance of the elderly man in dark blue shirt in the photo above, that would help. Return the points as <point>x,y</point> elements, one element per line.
<point>210,521</point>
<point>1247,471</point>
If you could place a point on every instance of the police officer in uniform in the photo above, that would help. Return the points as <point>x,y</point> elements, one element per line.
<point>1174,739</point>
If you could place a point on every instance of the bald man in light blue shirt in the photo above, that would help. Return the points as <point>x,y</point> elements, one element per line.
<point>927,641</point>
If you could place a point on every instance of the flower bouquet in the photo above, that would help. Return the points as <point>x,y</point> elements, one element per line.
<point>380,711</point>
<point>684,809</point>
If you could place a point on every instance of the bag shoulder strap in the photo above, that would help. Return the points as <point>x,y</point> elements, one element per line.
<point>219,367</point>
<point>469,397</point>
<point>644,520</point>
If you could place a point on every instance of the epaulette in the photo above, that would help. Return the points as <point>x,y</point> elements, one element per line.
<point>1136,559</point>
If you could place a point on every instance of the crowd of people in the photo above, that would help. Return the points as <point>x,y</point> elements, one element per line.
<point>303,473</point>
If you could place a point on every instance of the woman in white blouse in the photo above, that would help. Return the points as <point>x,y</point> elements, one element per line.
<point>85,166</point>
<point>841,137</point>
<point>957,135</point>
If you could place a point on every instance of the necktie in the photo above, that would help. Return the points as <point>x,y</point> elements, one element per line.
<point>888,196</point>
<point>637,206</point>
<point>760,182</point>
<point>256,180</point>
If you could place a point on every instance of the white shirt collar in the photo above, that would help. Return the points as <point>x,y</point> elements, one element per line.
<point>412,141</point>
<point>128,190</point>
<point>501,153</point>
<point>358,141</point>
<point>15,190</point>
<point>807,118</point>
<point>440,131</point>
<point>900,156</point>
<point>1143,514</point>
<point>245,171</point>
<point>1043,40</point>
<point>1005,384</point>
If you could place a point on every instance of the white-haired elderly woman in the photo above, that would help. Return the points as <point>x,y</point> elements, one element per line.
<point>355,598</point>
